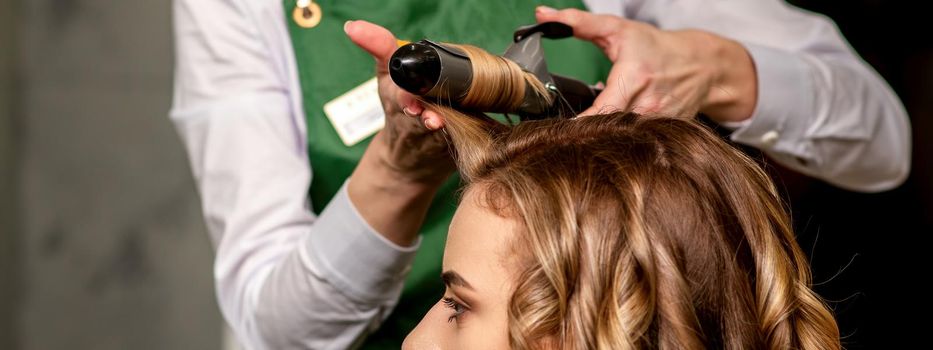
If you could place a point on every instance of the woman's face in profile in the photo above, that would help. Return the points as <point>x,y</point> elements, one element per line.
<point>477,270</point>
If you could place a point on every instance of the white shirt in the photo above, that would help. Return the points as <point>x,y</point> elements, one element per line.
<point>289,279</point>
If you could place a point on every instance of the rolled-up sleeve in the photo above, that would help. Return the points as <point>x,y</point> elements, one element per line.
<point>284,277</point>
<point>830,117</point>
<point>343,277</point>
<point>821,110</point>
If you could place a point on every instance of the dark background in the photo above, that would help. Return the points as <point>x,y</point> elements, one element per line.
<point>101,240</point>
<point>869,251</point>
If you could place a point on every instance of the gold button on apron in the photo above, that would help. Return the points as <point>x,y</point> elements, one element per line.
<point>307,14</point>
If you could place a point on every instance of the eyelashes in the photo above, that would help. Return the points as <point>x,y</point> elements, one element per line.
<point>457,307</point>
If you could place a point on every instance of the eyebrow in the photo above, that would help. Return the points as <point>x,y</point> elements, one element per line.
<point>452,278</point>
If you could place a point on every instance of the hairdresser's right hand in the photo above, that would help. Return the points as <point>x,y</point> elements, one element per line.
<point>664,72</point>
<point>407,161</point>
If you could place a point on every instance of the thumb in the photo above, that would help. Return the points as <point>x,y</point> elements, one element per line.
<point>614,97</point>
<point>586,25</point>
<point>374,39</point>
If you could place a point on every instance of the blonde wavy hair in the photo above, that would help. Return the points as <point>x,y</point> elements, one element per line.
<point>640,232</point>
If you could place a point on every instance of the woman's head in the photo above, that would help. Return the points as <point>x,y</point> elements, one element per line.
<point>618,231</point>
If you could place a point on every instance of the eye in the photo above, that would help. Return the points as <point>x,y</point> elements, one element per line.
<point>458,308</point>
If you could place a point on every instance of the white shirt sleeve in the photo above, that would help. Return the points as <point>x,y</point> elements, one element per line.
<point>284,278</point>
<point>821,109</point>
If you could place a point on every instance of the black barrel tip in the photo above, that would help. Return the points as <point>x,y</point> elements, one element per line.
<point>415,67</point>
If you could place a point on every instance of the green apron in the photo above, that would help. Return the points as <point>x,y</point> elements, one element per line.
<point>329,65</point>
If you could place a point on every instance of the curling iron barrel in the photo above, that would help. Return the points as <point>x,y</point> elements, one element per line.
<point>432,70</point>
<point>444,73</point>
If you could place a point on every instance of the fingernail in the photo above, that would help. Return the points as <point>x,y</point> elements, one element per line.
<point>431,124</point>
<point>545,9</point>
<point>407,111</point>
<point>345,27</point>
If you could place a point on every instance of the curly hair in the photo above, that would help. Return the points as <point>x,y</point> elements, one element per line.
<point>641,232</point>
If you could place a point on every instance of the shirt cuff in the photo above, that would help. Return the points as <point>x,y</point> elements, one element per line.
<point>353,256</point>
<point>784,108</point>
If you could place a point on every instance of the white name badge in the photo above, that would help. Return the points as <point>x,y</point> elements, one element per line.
<point>357,114</point>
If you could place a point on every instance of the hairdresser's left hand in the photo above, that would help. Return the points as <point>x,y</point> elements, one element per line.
<point>410,142</point>
<point>381,44</point>
<point>407,161</point>
<point>672,73</point>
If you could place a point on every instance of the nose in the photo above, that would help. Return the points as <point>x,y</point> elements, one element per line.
<point>432,333</point>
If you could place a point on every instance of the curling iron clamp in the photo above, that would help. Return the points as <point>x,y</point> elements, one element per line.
<point>444,73</point>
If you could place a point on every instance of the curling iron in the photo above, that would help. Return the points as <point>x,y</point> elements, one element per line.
<point>444,73</point>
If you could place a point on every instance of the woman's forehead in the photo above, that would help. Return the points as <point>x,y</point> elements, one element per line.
<point>478,238</point>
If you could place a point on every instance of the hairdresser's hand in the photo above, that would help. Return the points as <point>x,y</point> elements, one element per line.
<point>407,161</point>
<point>381,44</point>
<point>674,73</point>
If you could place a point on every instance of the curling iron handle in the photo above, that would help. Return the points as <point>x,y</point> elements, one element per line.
<point>575,94</point>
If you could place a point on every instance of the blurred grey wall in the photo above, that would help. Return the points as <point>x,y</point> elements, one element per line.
<point>7,238</point>
<point>103,245</point>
